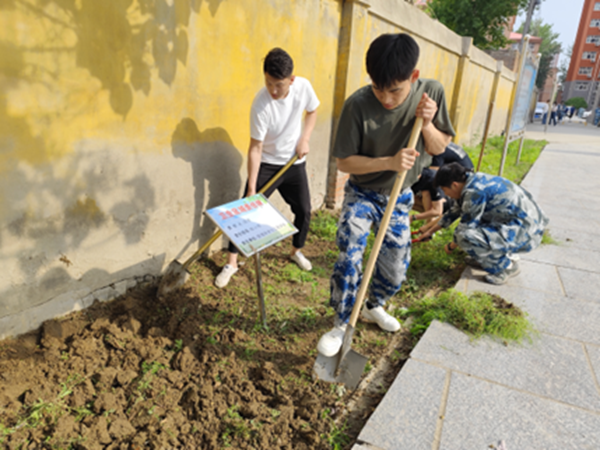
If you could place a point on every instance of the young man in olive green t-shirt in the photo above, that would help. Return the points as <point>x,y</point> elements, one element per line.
<point>370,145</point>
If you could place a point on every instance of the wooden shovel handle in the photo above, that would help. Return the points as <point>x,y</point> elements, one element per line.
<point>216,236</point>
<point>412,143</point>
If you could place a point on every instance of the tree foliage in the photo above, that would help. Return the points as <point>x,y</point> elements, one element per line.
<point>577,102</point>
<point>563,68</point>
<point>483,20</point>
<point>548,48</point>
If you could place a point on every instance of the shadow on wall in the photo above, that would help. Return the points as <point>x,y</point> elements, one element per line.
<point>216,167</point>
<point>115,40</point>
<point>48,211</point>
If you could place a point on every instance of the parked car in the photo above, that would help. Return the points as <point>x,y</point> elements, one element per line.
<point>541,108</point>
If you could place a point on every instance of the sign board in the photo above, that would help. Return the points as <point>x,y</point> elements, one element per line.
<point>251,224</point>
<point>523,95</point>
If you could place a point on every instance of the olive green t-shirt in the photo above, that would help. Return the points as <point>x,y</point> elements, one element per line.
<point>366,128</point>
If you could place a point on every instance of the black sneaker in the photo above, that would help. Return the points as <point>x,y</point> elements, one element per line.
<point>502,277</point>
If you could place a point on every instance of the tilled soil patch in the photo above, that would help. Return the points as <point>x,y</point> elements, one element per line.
<point>196,371</point>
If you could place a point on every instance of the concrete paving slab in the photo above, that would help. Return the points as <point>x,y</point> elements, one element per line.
<point>546,367</point>
<point>565,256</point>
<point>581,284</point>
<point>480,414</point>
<point>407,415</point>
<point>573,212</point>
<point>366,447</point>
<point>534,275</point>
<point>565,221</point>
<point>556,315</point>
<point>576,239</point>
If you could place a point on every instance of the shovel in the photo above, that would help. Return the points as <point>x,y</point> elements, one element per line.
<point>177,274</point>
<point>347,366</point>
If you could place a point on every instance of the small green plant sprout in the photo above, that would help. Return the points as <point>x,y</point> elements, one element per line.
<point>324,225</point>
<point>5,432</point>
<point>149,370</point>
<point>477,314</point>
<point>547,239</point>
<point>337,437</point>
<point>308,315</point>
<point>236,426</point>
<point>178,345</point>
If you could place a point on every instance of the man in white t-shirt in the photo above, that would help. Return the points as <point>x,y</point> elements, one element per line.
<point>276,133</point>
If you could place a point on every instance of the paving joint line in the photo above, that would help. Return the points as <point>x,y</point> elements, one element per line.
<point>437,437</point>
<point>560,281</point>
<point>594,375</point>
<point>523,391</point>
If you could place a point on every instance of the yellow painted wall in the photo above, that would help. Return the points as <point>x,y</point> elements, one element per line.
<point>473,103</point>
<point>122,121</point>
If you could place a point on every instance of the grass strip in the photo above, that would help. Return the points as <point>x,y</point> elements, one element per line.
<point>476,314</point>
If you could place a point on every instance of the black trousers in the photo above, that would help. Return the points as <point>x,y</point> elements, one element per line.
<point>293,187</point>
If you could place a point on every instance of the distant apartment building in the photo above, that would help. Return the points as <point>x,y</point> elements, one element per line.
<point>584,70</point>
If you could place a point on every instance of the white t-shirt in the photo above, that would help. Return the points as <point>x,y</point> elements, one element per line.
<point>278,123</point>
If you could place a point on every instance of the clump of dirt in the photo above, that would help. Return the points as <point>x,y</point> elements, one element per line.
<point>195,370</point>
<point>505,307</point>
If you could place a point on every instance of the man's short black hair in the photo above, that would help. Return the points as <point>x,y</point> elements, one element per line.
<point>278,64</point>
<point>449,173</point>
<point>391,58</point>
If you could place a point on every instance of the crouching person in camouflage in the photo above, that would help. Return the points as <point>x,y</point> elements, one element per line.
<point>498,219</point>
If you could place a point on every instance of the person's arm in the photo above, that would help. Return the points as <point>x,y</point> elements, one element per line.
<point>435,140</point>
<point>310,120</point>
<point>254,156</point>
<point>359,165</point>
<point>435,210</point>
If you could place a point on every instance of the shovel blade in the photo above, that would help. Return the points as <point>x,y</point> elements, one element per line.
<point>350,370</point>
<point>174,277</point>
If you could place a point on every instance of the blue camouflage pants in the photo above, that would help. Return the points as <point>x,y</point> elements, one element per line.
<point>491,245</point>
<point>363,209</point>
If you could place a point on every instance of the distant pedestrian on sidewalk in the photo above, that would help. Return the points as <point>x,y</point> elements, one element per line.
<point>553,114</point>
<point>498,219</point>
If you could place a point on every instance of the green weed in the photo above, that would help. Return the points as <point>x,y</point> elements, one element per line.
<point>337,437</point>
<point>493,154</point>
<point>477,314</point>
<point>324,225</point>
<point>549,240</point>
<point>149,370</point>
<point>308,315</point>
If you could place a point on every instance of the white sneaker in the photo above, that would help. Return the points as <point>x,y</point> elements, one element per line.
<point>301,260</point>
<point>331,342</point>
<point>223,278</point>
<point>381,318</point>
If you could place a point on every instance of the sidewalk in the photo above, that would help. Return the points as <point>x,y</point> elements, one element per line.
<point>456,394</point>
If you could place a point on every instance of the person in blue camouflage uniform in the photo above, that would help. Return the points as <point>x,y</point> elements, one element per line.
<point>362,209</point>
<point>498,219</point>
<point>370,145</point>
